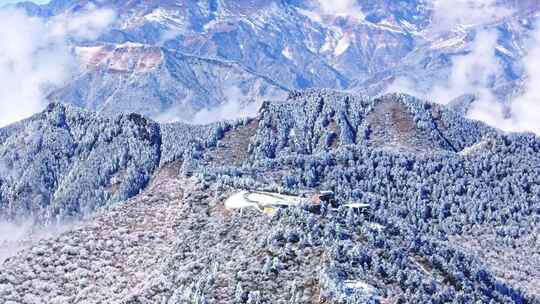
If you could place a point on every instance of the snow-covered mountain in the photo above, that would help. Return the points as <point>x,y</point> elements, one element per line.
<point>428,206</point>
<point>66,162</point>
<point>453,206</point>
<point>182,56</point>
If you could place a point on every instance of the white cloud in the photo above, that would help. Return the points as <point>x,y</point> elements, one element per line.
<point>16,237</point>
<point>87,25</point>
<point>234,107</point>
<point>35,56</point>
<point>10,237</point>
<point>473,72</point>
<point>235,103</point>
<point>340,7</point>
<point>447,14</point>
<point>407,86</point>
<point>344,8</point>
<point>30,59</point>
<point>525,109</point>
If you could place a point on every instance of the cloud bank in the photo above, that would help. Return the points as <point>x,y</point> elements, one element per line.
<point>344,8</point>
<point>35,56</point>
<point>87,25</point>
<point>476,71</point>
<point>522,112</point>
<point>11,236</point>
<point>16,237</point>
<point>30,60</point>
<point>234,107</point>
<point>234,103</point>
<point>447,14</point>
<point>340,7</point>
<point>524,109</point>
<point>473,72</point>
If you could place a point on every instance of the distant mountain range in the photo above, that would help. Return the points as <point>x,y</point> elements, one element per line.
<point>170,59</point>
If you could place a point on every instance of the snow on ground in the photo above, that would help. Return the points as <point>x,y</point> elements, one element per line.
<point>126,57</point>
<point>343,44</point>
<point>361,286</point>
<point>474,148</point>
<point>457,40</point>
<point>254,199</point>
<point>164,16</point>
<point>237,201</point>
<point>101,261</point>
<point>287,53</point>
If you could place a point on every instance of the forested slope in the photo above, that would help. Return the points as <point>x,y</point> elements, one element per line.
<point>454,214</point>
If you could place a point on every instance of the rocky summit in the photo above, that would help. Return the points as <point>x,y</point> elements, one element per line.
<point>386,199</point>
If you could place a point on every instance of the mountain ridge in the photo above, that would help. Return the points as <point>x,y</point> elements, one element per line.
<point>445,192</point>
<point>333,120</point>
<point>435,214</point>
<point>296,46</point>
